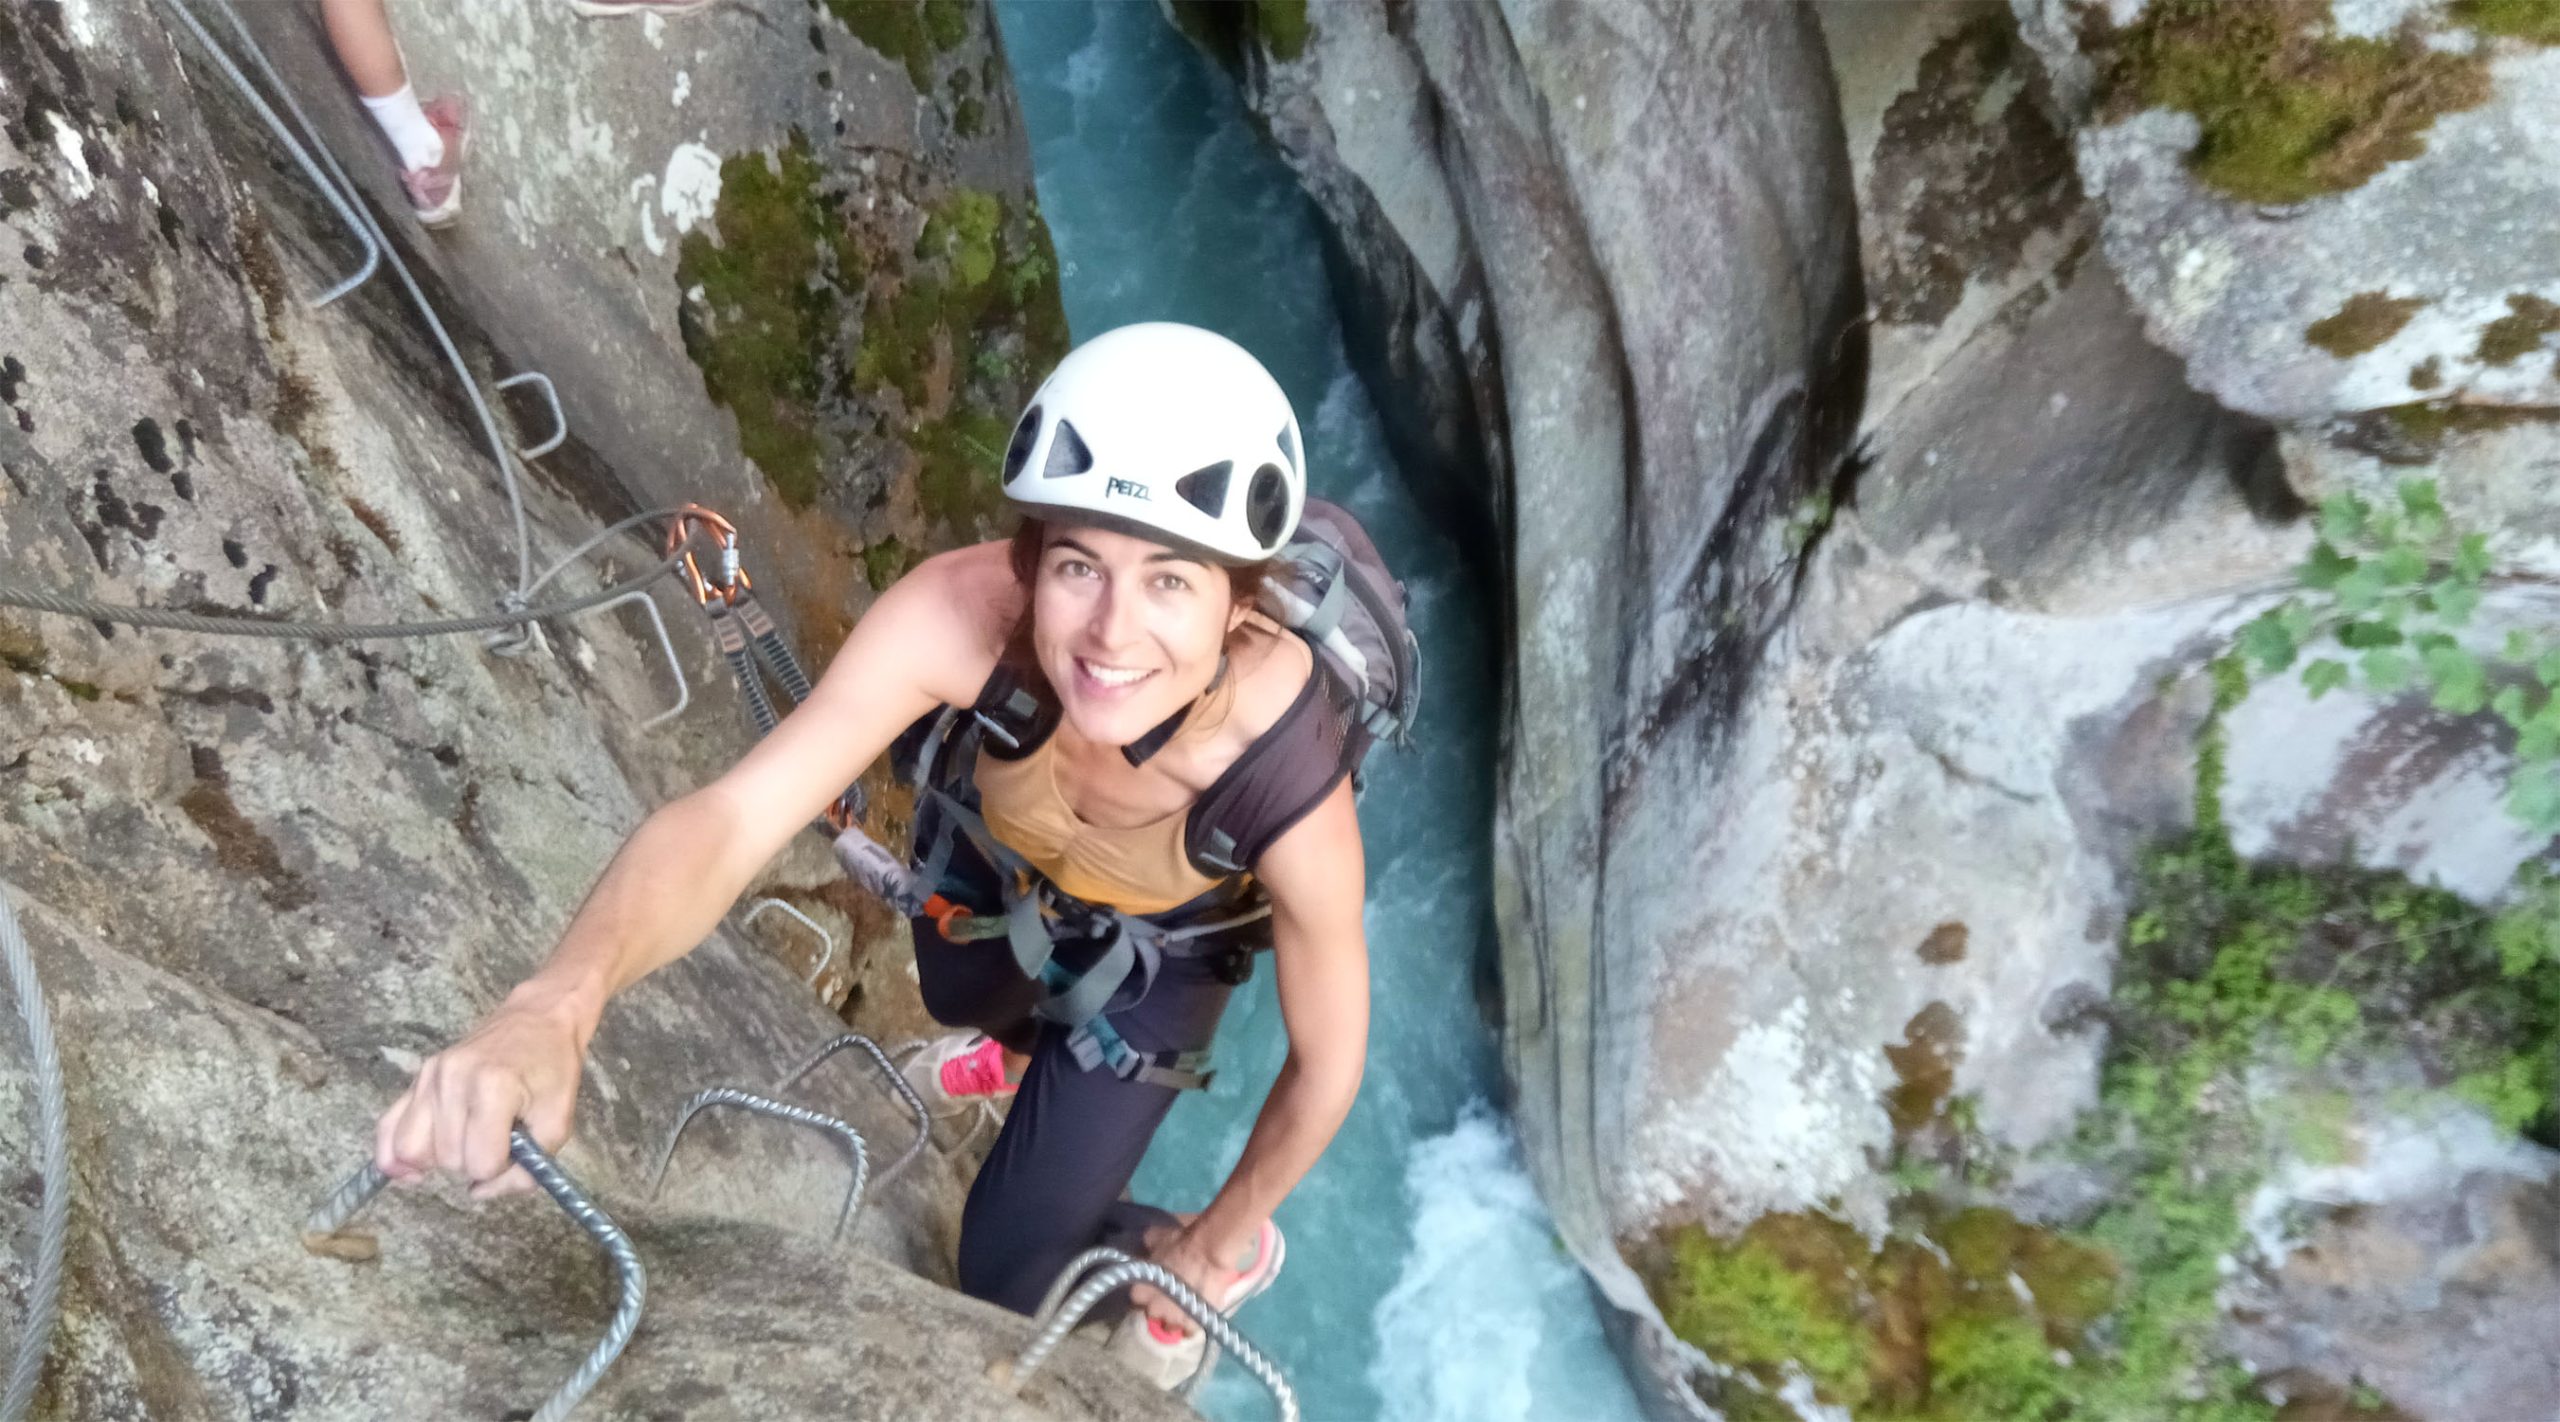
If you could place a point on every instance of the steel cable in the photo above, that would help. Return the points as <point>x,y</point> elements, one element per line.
<point>292,630</point>
<point>53,1221</point>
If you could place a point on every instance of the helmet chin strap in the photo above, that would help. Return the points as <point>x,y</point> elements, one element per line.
<point>1144,748</point>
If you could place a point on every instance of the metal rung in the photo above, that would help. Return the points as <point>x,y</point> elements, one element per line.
<point>551,397</point>
<point>781,1111</point>
<point>675,668</point>
<point>1055,1324</point>
<point>897,1082</point>
<point>360,1188</point>
<point>826,955</point>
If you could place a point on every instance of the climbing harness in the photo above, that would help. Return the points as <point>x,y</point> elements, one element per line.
<point>761,1105</point>
<point>53,1219</point>
<point>1110,1270</point>
<point>630,1277</point>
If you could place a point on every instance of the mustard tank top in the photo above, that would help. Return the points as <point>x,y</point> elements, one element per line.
<point>1141,870</point>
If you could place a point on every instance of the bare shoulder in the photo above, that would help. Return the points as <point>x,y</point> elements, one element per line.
<point>948,617</point>
<point>1271,668</point>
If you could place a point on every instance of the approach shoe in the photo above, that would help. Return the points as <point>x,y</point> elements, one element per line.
<point>435,194</point>
<point>960,1070</point>
<point>1170,1358</point>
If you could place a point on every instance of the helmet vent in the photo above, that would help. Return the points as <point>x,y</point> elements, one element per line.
<point>1025,435</point>
<point>1289,447</point>
<point>1067,454</point>
<point>1266,505</point>
<point>1206,489</point>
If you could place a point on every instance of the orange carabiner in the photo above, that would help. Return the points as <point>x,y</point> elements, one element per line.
<point>733,582</point>
<point>945,914</point>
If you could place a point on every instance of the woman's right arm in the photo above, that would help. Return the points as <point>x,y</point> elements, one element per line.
<point>931,639</point>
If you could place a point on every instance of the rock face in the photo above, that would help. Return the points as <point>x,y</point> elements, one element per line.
<point>262,878</point>
<point>2340,288</point>
<point>1837,725</point>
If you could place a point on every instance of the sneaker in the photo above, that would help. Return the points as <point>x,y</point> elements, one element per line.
<point>607,9</point>
<point>1172,1359</point>
<point>963,1069</point>
<point>435,194</point>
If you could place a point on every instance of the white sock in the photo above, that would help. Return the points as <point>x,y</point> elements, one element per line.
<point>405,124</point>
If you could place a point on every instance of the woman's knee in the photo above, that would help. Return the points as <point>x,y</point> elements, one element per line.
<point>1009,1273</point>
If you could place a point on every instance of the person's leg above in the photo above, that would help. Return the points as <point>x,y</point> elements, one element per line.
<point>427,138</point>
<point>1054,1179</point>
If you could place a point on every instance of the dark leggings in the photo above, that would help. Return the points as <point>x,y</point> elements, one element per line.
<point>1051,1189</point>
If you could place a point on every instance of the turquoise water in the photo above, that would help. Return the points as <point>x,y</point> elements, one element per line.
<point>1424,1280</point>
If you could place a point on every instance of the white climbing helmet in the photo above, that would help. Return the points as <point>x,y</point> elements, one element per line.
<point>1167,432</point>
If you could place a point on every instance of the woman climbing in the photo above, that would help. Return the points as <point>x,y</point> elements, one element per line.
<point>1133,780</point>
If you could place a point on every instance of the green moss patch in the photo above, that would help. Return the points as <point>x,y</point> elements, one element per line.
<point>1957,1315</point>
<point>2290,109</point>
<point>763,330</point>
<point>2535,20</point>
<point>1283,26</point>
<point>2366,320</point>
<point>21,650</point>
<point>911,32</point>
<point>2519,333</point>
<point>885,562</point>
<point>958,334</point>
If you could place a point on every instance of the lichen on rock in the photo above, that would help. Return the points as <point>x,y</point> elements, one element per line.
<point>2520,332</point>
<point>2367,320</point>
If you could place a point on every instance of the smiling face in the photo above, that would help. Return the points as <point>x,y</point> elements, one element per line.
<point>1127,631</point>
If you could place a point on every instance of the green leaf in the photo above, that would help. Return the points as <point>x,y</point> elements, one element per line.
<point>2462,684</point>
<point>2418,496</point>
<point>2547,670</point>
<point>2324,676</point>
<point>2342,518</point>
<point>2534,797</point>
<point>2359,635</point>
<point>2511,706</point>
<point>2426,529</point>
<point>2455,602</point>
<point>2519,646</point>
<point>2266,642</point>
<point>2300,622</point>
<point>2471,564</point>
<point>2360,590</point>
<point>2325,567</point>
<point>2538,739</point>
<point>2386,670</point>
<point>2430,643</point>
<point>2403,565</point>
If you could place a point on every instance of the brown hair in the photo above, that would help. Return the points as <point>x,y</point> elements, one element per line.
<point>1031,538</point>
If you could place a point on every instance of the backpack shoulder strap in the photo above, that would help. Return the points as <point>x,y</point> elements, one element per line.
<point>1278,780</point>
<point>1016,719</point>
